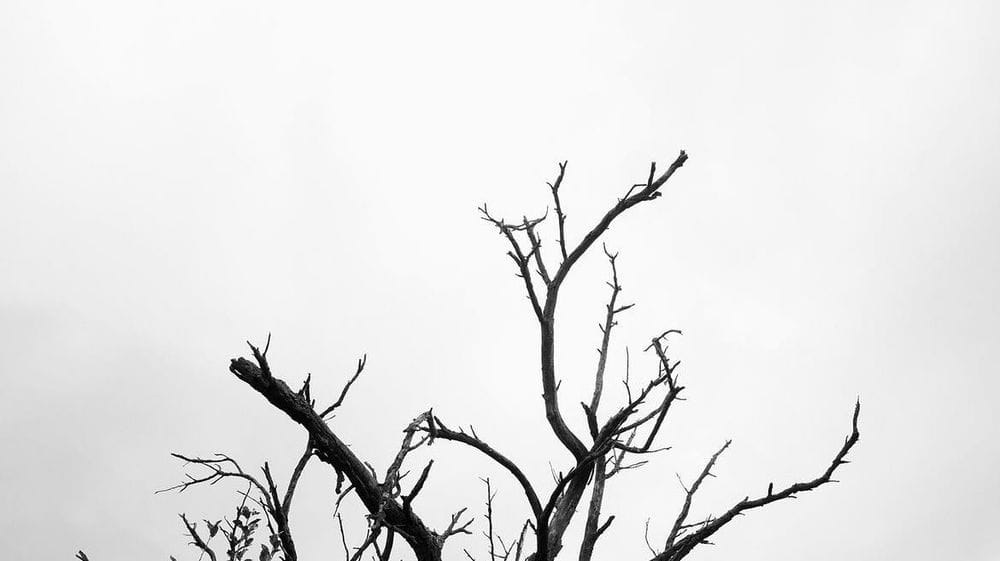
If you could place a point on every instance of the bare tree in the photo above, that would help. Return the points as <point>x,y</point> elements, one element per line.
<point>614,442</point>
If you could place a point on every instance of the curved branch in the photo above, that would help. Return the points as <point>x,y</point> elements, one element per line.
<point>438,430</point>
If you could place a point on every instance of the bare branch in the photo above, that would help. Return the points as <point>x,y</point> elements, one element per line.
<point>341,497</point>
<point>343,393</point>
<point>440,431</point>
<point>609,323</point>
<point>489,519</point>
<point>520,540</point>
<point>343,537</point>
<point>593,530</point>
<point>684,545</point>
<point>454,527</point>
<point>560,216</point>
<point>386,551</point>
<point>648,193</point>
<point>630,429</point>
<point>331,450</point>
<point>216,473</point>
<point>682,517</point>
<point>196,539</point>
<point>369,541</point>
<point>286,503</point>
<point>276,507</point>
<point>517,254</point>
<point>392,475</point>
<point>408,499</point>
<point>536,251</point>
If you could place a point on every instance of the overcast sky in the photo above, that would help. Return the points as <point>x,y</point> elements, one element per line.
<point>178,177</point>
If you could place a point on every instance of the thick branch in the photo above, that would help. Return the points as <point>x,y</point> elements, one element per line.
<point>593,529</point>
<point>331,450</point>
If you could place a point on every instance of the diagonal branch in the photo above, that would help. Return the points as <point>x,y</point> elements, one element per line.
<point>408,499</point>
<point>517,254</point>
<point>454,527</point>
<point>278,508</point>
<point>682,517</point>
<point>536,250</point>
<point>196,539</point>
<point>648,193</point>
<point>684,545</point>
<point>333,451</point>
<point>286,503</point>
<point>343,393</point>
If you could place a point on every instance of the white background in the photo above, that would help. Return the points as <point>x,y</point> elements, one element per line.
<point>176,177</point>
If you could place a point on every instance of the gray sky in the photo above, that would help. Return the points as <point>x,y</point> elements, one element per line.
<point>176,177</point>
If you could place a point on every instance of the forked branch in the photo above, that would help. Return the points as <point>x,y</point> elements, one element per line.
<point>700,532</point>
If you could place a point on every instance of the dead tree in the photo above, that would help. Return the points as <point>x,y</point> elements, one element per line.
<point>614,442</point>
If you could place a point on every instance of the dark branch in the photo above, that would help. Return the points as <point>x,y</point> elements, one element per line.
<point>440,431</point>
<point>343,393</point>
<point>560,216</point>
<point>682,517</point>
<point>196,539</point>
<point>684,545</point>
<point>331,450</point>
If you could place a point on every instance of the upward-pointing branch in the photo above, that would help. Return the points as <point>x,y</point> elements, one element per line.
<point>330,449</point>
<point>705,529</point>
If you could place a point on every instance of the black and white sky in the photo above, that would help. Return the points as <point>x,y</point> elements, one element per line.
<point>178,177</point>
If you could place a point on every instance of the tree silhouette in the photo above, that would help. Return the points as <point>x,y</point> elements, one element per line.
<point>614,442</point>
